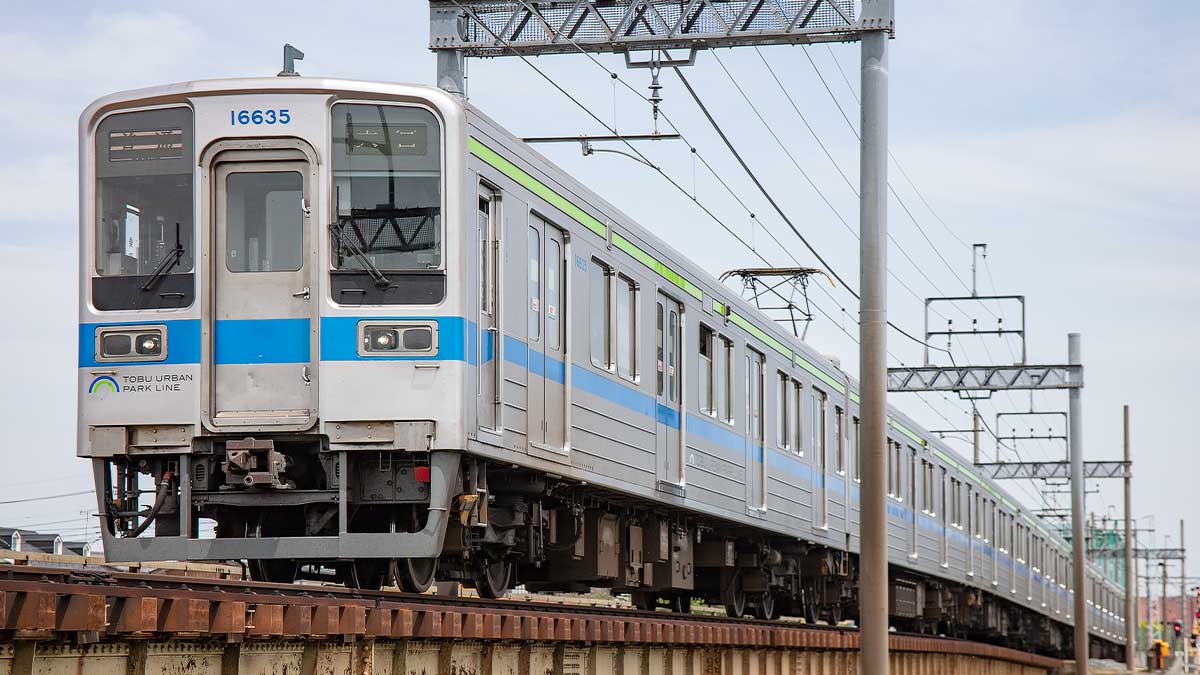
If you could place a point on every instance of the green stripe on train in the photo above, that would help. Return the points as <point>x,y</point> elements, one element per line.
<point>662,270</point>
<point>565,205</point>
<point>579,215</point>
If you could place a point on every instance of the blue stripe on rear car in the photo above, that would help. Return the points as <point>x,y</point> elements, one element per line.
<point>247,341</point>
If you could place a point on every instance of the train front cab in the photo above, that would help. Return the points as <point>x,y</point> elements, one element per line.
<point>269,335</point>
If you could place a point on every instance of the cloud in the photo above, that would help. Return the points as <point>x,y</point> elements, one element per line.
<point>1138,163</point>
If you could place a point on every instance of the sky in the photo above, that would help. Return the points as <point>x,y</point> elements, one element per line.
<point>1063,139</point>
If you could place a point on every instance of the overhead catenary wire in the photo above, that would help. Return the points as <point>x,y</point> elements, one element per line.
<point>706,209</point>
<point>659,169</point>
<point>45,497</point>
<point>899,166</point>
<point>891,189</point>
<point>782,146</point>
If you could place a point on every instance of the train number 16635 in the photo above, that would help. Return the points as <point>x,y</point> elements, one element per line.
<point>269,116</point>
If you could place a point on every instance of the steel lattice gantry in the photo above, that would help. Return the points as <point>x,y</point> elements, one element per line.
<point>984,378</point>
<point>1053,470</point>
<point>532,27</point>
<point>1160,553</point>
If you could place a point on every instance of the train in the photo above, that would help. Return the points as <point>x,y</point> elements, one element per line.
<point>358,331</point>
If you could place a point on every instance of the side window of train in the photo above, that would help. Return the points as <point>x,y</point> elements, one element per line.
<point>725,383</point>
<point>856,448</point>
<point>484,223</point>
<point>896,470</point>
<point>535,285</point>
<point>660,329</point>
<point>754,393</point>
<point>912,478</point>
<point>783,415</point>
<point>555,291</point>
<point>600,300</point>
<point>673,353</point>
<point>627,328</point>
<point>706,381</point>
<point>818,426</point>
<point>891,469</point>
<point>927,492</point>
<point>797,413</point>
<point>839,440</point>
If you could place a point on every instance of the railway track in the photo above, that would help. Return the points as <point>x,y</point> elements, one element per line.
<point>84,606</point>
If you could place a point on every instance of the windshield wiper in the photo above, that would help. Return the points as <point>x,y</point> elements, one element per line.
<point>348,243</point>
<point>171,260</point>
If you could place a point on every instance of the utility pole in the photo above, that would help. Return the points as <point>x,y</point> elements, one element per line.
<point>1183,593</point>
<point>975,433</point>
<point>873,375</point>
<point>1130,572</point>
<point>1075,442</point>
<point>445,22</point>
<point>1162,610</point>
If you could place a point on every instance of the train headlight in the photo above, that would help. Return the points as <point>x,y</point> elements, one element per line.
<point>131,343</point>
<point>381,339</point>
<point>149,344</point>
<point>397,338</point>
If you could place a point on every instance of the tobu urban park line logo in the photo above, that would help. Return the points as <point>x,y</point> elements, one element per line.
<point>104,383</point>
<point>148,384</point>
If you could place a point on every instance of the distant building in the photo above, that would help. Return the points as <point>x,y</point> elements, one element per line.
<point>32,541</point>
<point>13,539</point>
<point>1173,609</point>
<point>77,548</point>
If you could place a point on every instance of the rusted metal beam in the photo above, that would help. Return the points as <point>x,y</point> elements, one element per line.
<point>58,607</point>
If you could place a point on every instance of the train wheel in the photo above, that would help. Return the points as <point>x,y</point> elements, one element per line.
<point>274,571</point>
<point>735,604</point>
<point>765,608</point>
<point>416,575</point>
<point>681,603</point>
<point>492,578</point>
<point>733,595</point>
<point>367,574</point>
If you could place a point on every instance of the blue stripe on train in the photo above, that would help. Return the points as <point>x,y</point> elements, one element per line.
<point>339,338</point>
<point>286,341</point>
<point>183,343</point>
<point>237,342</point>
<point>247,341</point>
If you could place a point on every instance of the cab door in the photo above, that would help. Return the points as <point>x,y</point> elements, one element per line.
<point>261,324</point>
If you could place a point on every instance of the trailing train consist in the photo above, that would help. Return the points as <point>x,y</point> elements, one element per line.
<point>373,336</point>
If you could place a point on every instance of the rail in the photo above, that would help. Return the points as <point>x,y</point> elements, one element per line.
<point>90,606</point>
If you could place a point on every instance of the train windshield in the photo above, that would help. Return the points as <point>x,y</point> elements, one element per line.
<point>144,193</point>
<point>387,188</point>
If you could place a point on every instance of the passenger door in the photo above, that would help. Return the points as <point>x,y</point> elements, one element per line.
<point>262,319</point>
<point>818,404</point>
<point>546,335</point>
<point>488,345</point>
<point>668,389</point>
<point>756,459</point>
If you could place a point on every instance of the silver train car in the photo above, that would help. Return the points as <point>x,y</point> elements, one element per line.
<point>364,333</point>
